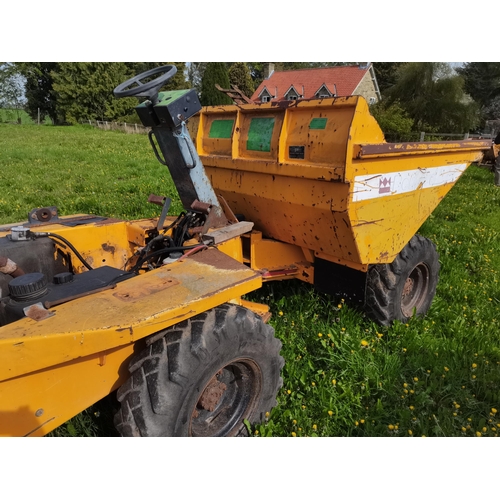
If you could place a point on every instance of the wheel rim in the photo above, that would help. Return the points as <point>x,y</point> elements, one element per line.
<point>415,290</point>
<point>227,399</point>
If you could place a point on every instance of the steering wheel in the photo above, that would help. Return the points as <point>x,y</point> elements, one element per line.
<point>149,89</point>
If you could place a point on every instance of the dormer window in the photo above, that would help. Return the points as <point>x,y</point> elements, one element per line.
<point>291,94</point>
<point>323,92</point>
<point>265,95</point>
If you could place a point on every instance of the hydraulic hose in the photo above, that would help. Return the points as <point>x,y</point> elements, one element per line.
<point>65,241</point>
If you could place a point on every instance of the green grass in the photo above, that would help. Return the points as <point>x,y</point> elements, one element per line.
<point>79,170</point>
<point>344,375</point>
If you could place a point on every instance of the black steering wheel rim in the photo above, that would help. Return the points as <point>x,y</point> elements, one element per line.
<point>148,89</point>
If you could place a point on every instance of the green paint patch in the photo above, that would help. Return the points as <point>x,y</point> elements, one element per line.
<point>260,134</point>
<point>221,129</point>
<point>318,123</point>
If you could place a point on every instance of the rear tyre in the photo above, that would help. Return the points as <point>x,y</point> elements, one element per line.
<point>496,170</point>
<point>203,377</point>
<point>405,287</point>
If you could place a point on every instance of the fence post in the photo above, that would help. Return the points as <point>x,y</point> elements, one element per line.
<point>466,135</point>
<point>422,136</point>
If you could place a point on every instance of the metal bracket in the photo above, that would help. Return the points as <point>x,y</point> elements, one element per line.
<point>43,215</point>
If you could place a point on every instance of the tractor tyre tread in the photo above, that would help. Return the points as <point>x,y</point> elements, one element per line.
<point>385,282</point>
<point>168,376</point>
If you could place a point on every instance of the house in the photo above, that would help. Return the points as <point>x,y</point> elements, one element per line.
<point>320,83</point>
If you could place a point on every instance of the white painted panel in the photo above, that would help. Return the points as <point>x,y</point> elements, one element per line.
<point>378,185</point>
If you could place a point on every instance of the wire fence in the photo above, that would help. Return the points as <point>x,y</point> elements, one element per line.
<point>128,128</point>
<point>435,136</point>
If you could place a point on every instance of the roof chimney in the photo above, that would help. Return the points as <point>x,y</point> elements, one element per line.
<point>268,70</point>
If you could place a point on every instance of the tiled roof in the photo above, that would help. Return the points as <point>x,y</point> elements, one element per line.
<point>308,81</point>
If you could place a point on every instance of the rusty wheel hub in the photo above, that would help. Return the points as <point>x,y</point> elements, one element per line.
<point>415,290</point>
<point>227,399</point>
<point>212,394</point>
<point>408,287</point>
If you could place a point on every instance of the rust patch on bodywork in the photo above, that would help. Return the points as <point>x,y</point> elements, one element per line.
<point>218,260</point>
<point>406,148</point>
<point>150,289</point>
<point>108,248</point>
<point>37,312</point>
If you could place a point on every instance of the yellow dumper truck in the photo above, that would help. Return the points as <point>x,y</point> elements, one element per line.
<point>304,190</point>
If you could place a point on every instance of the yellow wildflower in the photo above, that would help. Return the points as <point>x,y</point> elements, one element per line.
<point>334,382</point>
<point>294,434</point>
<point>315,427</point>
<point>330,412</point>
<point>364,343</point>
<point>474,365</point>
<point>410,432</point>
<point>281,313</point>
<point>320,335</point>
<point>390,427</point>
<point>494,410</point>
<point>415,379</point>
<point>446,369</point>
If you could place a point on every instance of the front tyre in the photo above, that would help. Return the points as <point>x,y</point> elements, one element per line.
<point>405,287</point>
<point>203,377</point>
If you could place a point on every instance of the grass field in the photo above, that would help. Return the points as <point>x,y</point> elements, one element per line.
<point>344,375</point>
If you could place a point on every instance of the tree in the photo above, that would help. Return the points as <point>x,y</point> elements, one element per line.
<point>215,73</point>
<point>434,97</point>
<point>393,120</point>
<point>386,73</point>
<point>11,89</point>
<point>85,91</point>
<point>482,82</point>
<point>239,75</point>
<point>40,95</point>
<point>195,72</point>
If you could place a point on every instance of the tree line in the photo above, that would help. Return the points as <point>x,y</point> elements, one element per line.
<point>419,96</point>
